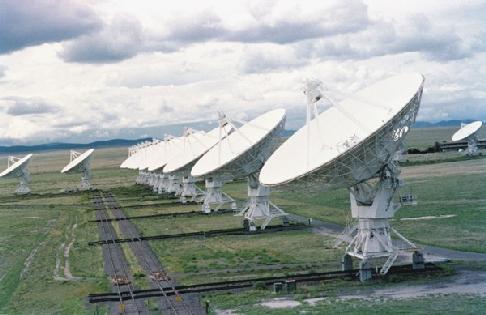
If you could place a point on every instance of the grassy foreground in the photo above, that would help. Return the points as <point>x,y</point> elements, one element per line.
<point>34,228</point>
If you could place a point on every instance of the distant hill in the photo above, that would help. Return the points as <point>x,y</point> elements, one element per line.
<point>14,149</point>
<point>68,146</point>
<point>442,123</point>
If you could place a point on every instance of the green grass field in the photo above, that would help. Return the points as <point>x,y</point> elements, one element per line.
<point>33,228</point>
<point>422,138</point>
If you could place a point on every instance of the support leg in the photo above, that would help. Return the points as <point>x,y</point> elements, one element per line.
<point>215,198</point>
<point>259,208</point>
<point>418,262</point>
<point>364,270</point>
<point>346,263</point>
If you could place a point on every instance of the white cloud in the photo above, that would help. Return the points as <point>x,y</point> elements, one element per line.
<point>140,65</point>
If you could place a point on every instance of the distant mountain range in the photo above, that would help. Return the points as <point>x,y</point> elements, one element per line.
<point>14,149</point>
<point>68,146</point>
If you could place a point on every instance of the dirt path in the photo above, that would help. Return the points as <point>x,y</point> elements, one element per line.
<point>30,258</point>
<point>431,253</point>
<point>65,250</point>
<point>465,282</point>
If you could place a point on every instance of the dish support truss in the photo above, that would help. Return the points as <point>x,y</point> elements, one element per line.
<point>140,176</point>
<point>174,185</point>
<point>259,208</point>
<point>215,198</point>
<point>85,169</point>
<point>472,144</point>
<point>372,206</point>
<point>24,176</point>
<point>144,177</point>
<point>190,192</point>
<point>162,183</point>
<point>372,198</point>
<point>152,180</point>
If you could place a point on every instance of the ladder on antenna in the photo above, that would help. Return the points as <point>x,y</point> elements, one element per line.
<point>389,262</point>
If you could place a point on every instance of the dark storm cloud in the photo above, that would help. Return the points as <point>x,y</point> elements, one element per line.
<point>16,106</point>
<point>343,30</point>
<point>122,39</point>
<point>26,23</point>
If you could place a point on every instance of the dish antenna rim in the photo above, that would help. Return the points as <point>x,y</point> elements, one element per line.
<point>71,166</point>
<point>467,130</point>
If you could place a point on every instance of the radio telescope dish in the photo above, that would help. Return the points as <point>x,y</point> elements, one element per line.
<point>137,154</point>
<point>349,145</point>
<point>193,148</point>
<point>80,163</point>
<point>242,154</point>
<point>161,181</point>
<point>158,158</point>
<point>18,168</point>
<point>132,152</point>
<point>469,132</point>
<point>137,158</point>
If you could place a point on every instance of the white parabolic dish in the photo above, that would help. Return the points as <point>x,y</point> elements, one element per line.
<point>349,142</point>
<point>197,145</point>
<point>149,154</point>
<point>74,164</point>
<point>128,163</point>
<point>12,170</point>
<point>133,161</point>
<point>467,130</point>
<point>164,153</point>
<point>244,151</point>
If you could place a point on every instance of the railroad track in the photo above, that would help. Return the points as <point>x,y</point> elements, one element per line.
<point>251,283</point>
<point>173,304</point>
<point>117,266</point>
<point>211,233</point>
<point>171,215</point>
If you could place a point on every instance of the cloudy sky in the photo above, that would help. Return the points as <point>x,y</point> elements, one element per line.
<point>91,69</point>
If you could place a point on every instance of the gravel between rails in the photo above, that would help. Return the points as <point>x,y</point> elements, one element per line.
<point>173,305</point>
<point>115,263</point>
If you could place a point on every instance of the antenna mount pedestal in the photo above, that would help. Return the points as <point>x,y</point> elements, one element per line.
<point>85,177</point>
<point>174,185</point>
<point>472,144</point>
<point>259,207</point>
<point>139,178</point>
<point>162,184</point>
<point>153,179</point>
<point>23,187</point>
<point>155,186</point>
<point>215,197</point>
<point>372,205</point>
<point>190,191</point>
